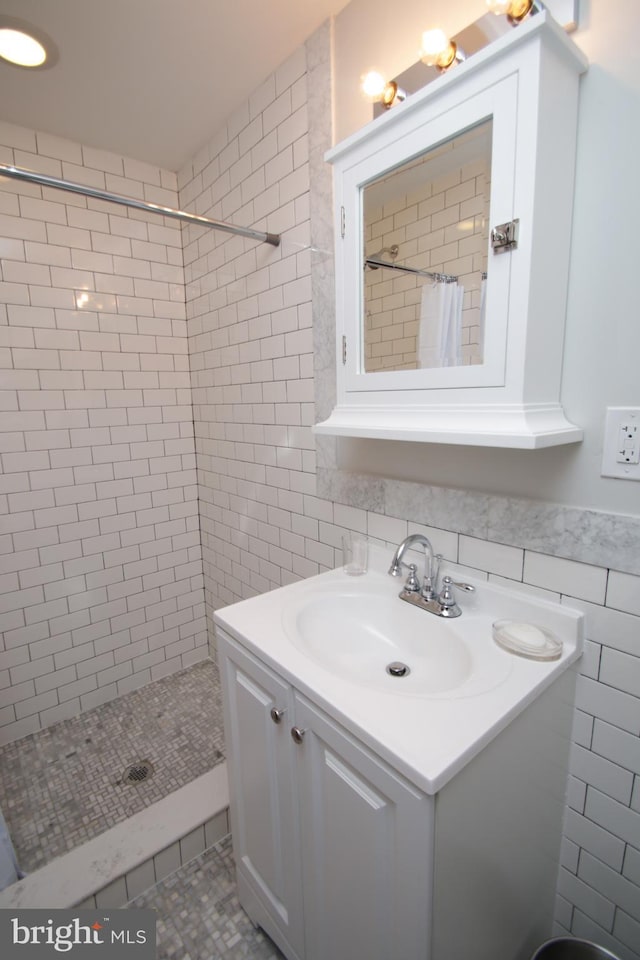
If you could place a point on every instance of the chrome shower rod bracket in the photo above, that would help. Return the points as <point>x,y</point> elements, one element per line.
<point>17,173</point>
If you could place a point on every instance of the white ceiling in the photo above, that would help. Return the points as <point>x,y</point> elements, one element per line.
<point>151,79</point>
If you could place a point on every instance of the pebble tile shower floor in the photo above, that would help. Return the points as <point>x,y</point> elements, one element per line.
<point>63,786</point>
<point>199,916</point>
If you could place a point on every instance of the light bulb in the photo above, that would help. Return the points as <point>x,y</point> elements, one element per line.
<point>372,85</point>
<point>21,49</point>
<point>440,52</point>
<point>499,7</point>
<point>434,44</point>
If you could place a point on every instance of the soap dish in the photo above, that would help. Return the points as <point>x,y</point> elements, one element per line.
<point>527,640</point>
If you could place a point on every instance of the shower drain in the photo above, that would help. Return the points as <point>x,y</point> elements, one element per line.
<point>137,772</point>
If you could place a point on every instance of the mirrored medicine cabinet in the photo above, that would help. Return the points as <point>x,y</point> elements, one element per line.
<point>453,221</point>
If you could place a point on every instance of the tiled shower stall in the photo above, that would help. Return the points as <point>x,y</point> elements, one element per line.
<point>145,424</point>
<point>102,571</point>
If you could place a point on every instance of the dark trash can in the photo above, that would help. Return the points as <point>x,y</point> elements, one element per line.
<point>569,948</point>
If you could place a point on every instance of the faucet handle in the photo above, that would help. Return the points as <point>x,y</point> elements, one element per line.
<point>413,584</point>
<point>467,587</point>
<point>446,597</point>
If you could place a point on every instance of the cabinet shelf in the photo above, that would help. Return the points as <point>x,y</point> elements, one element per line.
<point>528,428</point>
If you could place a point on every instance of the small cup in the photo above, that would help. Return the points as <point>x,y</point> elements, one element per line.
<point>355,554</point>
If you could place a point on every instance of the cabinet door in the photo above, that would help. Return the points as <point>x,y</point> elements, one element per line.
<point>263,807</point>
<point>367,838</point>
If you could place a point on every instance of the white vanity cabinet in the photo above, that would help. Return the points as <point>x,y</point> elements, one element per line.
<point>333,848</point>
<point>339,856</point>
<point>258,711</point>
<point>366,848</point>
<point>395,819</point>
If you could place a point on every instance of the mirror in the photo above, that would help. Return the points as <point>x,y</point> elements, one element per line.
<point>426,245</point>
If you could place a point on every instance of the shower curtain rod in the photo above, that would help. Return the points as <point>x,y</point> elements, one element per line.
<point>438,277</point>
<point>18,174</point>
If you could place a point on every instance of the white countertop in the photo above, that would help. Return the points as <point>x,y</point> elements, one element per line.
<point>430,737</point>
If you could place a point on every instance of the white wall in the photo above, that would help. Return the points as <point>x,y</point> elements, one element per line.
<point>602,342</point>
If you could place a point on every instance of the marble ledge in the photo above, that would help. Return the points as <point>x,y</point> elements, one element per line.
<point>588,536</point>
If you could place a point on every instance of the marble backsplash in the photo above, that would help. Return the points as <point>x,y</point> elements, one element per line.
<point>588,536</point>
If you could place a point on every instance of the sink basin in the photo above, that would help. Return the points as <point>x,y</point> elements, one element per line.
<point>332,637</point>
<point>357,628</point>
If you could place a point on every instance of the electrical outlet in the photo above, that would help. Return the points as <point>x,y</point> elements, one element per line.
<point>621,448</point>
<point>629,448</point>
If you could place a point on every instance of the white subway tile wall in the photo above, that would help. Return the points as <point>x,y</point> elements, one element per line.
<point>100,534</point>
<point>100,565</point>
<point>249,310</point>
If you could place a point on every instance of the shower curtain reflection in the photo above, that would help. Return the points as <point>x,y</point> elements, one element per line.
<point>440,326</point>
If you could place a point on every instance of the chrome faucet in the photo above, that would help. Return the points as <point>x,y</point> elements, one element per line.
<point>428,597</point>
<point>431,564</point>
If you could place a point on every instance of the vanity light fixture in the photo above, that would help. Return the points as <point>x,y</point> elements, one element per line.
<point>376,89</point>
<point>23,45</point>
<point>392,94</point>
<point>519,9</point>
<point>515,10</point>
<point>439,51</point>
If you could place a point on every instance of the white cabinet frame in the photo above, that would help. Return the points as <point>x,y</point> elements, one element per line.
<point>528,84</point>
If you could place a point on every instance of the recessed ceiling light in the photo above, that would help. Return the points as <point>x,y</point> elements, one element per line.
<point>19,48</point>
<point>25,46</point>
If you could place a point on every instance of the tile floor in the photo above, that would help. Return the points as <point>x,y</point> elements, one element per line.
<point>63,785</point>
<point>199,916</point>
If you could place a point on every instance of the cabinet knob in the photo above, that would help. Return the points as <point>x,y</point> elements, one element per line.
<point>277,714</point>
<point>297,734</point>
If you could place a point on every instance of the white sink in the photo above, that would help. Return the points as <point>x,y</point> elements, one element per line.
<point>333,636</point>
<point>358,627</point>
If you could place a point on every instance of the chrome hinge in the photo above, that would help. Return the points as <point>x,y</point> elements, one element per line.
<point>342,222</point>
<point>344,349</point>
<point>505,236</point>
